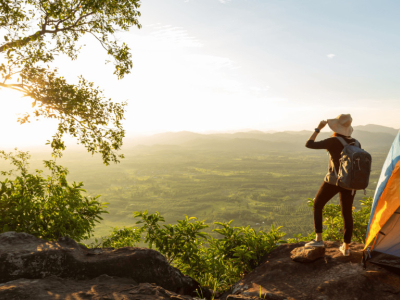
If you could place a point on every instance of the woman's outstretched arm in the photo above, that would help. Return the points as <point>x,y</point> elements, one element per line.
<point>317,145</point>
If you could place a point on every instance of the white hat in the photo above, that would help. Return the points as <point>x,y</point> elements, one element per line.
<point>342,124</point>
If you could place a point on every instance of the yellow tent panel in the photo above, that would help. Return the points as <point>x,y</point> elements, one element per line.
<point>387,205</point>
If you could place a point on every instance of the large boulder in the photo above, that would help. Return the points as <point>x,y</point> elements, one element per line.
<point>332,277</point>
<point>25,256</point>
<point>103,287</point>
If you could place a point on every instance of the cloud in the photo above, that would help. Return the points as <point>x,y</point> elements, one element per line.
<point>331,55</point>
<point>176,35</point>
<point>210,62</point>
<point>259,91</point>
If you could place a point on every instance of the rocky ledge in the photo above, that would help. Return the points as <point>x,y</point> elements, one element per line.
<point>103,287</point>
<point>23,256</point>
<point>32,268</point>
<point>331,276</point>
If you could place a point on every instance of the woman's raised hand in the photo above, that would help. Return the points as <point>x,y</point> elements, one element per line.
<point>322,124</point>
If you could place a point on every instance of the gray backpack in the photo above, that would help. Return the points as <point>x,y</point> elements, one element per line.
<point>354,167</point>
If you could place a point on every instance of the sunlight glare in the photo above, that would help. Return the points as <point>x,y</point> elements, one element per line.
<point>14,106</point>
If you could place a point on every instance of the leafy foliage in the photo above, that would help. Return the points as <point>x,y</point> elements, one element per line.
<point>239,251</point>
<point>47,207</point>
<point>180,242</point>
<point>246,246</point>
<point>58,26</point>
<point>361,219</point>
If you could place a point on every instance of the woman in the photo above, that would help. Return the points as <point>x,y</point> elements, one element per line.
<point>341,126</point>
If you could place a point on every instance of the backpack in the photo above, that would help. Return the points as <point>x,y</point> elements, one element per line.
<point>354,167</point>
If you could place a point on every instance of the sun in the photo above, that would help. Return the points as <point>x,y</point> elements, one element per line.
<point>13,105</point>
<point>13,134</point>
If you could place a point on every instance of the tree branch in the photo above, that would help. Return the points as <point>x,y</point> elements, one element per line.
<point>26,40</point>
<point>21,42</point>
<point>18,87</point>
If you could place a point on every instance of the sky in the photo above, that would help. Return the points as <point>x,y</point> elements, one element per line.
<point>219,65</point>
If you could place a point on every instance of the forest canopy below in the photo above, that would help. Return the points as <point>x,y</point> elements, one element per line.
<point>253,178</point>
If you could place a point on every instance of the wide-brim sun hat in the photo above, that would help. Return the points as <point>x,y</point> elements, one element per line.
<point>341,125</point>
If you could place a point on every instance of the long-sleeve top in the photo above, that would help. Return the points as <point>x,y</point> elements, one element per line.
<point>333,146</point>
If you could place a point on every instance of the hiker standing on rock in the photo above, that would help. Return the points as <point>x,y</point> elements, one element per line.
<point>342,130</point>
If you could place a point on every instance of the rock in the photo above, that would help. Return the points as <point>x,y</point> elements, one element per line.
<point>103,287</point>
<point>25,256</point>
<point>306,255</point>
<point>331,278</point>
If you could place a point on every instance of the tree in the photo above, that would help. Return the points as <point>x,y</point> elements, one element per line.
<point>58,25</point>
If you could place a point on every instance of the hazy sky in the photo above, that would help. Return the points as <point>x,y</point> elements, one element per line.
<point>203,65</point>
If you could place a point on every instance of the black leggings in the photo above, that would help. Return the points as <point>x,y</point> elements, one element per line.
<point>325,193</point>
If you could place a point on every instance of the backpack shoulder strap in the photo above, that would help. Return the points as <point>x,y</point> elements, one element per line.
<point>342,140</point>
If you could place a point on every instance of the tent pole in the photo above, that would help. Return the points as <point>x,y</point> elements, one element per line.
<point>373,245</point>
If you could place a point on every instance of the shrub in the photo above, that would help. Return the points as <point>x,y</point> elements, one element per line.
<point>361,220</point>
<point>179,243</point>
<point>47,207</point>
<point>244,245</point>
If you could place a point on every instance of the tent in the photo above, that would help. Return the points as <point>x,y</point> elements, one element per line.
<point>383,233</point>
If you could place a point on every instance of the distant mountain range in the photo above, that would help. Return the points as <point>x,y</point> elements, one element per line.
<point>376,128</point>
<point>370,136</point>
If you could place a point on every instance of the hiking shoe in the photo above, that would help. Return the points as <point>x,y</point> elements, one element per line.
<point>345,252</point>
<point>315,243</point>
